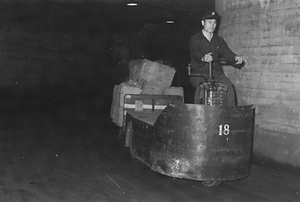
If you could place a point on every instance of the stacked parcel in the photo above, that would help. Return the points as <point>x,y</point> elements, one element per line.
<point>145,77</point>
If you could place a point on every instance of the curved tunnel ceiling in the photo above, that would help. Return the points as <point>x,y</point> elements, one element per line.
<point>181,5</point>
<point>150,11</point>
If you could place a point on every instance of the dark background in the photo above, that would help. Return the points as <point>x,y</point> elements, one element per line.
<point>53,52</point>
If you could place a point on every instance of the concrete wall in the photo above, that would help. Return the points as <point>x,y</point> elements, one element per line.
<point>267,33</point>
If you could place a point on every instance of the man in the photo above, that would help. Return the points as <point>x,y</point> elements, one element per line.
<point>205,46</point>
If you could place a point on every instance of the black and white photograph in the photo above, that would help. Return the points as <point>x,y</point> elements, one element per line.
<point>149,101</point>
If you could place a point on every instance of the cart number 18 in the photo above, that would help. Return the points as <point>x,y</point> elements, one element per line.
<point>224,130</point>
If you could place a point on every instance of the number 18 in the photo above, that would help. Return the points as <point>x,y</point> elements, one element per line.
<point>224,130</point>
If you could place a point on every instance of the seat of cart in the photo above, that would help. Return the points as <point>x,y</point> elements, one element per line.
<point>148,116</point>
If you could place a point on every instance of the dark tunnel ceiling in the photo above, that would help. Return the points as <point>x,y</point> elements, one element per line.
<point>149,11</point>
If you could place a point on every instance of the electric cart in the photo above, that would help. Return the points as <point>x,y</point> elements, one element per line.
<point>208,142</point>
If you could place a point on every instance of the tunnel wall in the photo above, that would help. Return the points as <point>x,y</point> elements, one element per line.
<point>50,51</point>
<point>266,33</point>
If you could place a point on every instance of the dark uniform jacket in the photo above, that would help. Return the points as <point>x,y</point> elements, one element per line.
<point>199,46</point>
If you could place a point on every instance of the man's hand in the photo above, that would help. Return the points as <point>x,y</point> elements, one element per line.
<point>239,60</point>
<point>207,58</point>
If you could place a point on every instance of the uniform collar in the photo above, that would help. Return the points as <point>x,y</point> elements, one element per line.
<point>207,36</point>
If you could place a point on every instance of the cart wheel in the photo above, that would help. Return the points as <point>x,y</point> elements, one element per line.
<point>121,133</point>
<point>211,183</point>
<point>129,139</point>
<point>131,144</point>
<point>121,139</point>
<point>128,133</point>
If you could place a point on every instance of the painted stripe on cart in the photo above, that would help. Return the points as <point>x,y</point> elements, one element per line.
<point>132,106</point>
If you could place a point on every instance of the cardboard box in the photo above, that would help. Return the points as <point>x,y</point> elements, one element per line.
<point>117,114</point>
<point>121,90</point>
<point>117,106</point>
<point>155,77</point>
<point>174,91</point>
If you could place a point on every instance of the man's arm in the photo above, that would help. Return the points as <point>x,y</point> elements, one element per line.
<point>195,52</point>
<point>229,56</point>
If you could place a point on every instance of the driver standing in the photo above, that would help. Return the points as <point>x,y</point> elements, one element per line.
<point>205,46</point>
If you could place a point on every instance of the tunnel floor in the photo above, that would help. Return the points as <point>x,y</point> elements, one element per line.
<point>71,153</point>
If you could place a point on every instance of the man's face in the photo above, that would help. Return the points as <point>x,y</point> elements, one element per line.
<point>209,25</point>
